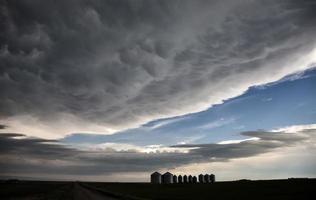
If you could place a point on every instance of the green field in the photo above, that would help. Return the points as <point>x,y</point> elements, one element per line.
<point>267,189</point>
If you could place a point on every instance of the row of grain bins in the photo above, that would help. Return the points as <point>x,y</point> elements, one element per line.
<point>168,178</point>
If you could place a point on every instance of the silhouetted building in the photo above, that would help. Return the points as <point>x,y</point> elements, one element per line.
<point>167,178</point>
<point>180,180</point>
<point>212,178</point>
<point>190,179</point>
<point>185,179</point>
<point>175,179</point>
<point>207,178</point>
<point>201,178</point>
<point>194,179</point>
<point>155,178</point>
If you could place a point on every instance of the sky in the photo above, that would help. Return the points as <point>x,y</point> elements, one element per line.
<point>114,90</point>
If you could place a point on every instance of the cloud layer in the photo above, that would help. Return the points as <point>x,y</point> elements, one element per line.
<point>28,156</point>
<point>102,66</point>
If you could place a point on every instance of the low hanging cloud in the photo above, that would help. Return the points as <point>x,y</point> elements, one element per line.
<point>103,66</point>
<point>2,126</point>
<point>22,155</point>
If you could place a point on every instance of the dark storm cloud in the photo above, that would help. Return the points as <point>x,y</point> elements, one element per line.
<point>18,144</point>
<point>121,63</point>
<point>2,126</point>
<point>29,155</point>
<point>267,142</point>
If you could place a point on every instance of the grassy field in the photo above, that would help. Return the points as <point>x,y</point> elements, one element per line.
<point>268,189</point>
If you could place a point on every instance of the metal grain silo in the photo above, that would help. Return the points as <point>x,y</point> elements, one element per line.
<point>190,179</point>
<point>167,178</point>
<point>185,179</point>
<point>207,178</point>
<point>194,179</point>
<point>212,177</point>
<point>180,180</point>
<point>175,179</point>
<point>201,178</point>
<point>155,178</point>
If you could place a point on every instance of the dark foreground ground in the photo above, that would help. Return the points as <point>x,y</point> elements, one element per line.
<point>267,189</point>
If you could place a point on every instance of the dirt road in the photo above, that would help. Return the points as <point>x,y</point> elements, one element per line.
<point>81,192</point>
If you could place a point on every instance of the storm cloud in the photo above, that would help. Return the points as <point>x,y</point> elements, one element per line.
<point>2,126</point>
<point>104,66</point>
<point>23,155</point>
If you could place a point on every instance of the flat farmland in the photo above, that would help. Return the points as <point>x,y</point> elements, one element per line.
<point>265,189</point>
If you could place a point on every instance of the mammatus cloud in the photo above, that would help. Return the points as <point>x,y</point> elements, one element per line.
<point>26,156</point>
<point>114,65</point>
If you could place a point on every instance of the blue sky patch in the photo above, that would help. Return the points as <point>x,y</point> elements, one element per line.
<point>289,101</point>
